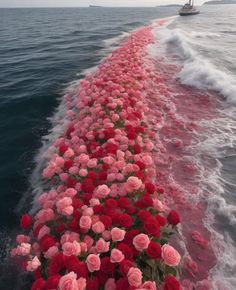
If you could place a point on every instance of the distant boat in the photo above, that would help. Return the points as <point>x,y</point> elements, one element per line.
<point>94,6</point>
<point>188,9</point>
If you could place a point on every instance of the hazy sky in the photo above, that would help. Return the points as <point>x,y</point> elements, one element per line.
<point>84,3</point>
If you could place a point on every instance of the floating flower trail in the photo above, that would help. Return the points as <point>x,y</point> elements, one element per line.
<point>103,223</point>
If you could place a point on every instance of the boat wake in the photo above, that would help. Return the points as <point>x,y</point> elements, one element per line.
<point>196,70</point>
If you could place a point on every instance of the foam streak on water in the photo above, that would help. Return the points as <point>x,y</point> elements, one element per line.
<point>198,141</point>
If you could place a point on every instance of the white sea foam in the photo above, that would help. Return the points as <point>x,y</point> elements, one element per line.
<point>214,146</point>
<point>175,46</point>
<point>196,70</point>
<point>115,42</point>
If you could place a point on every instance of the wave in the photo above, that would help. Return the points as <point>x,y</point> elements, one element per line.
<point>196,70</point>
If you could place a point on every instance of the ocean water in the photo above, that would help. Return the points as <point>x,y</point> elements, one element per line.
<point>44,52</point>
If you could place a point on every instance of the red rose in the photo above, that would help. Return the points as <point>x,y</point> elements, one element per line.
<point>36,230</point>
<point>111,148</point>
<point>68,164</point>
<point>87,185</point>
<point>130,235</point>
<point>171,283</point>
<point>125,265</point>
<point>47,242</point>
<point>38,284</point>
<point>71,182</point>
<point>25,221</point>
<point>150,187</point>
<point>111,203</point>
<point>102,175</point>
<point>125,220</point>
<point>140,164</point>
<point>139,129</point>
<point>140,175</point>
<point>106,265</point>
<point>102,277</point>
<point>154,250</point>
<point>160,189</point>
<point>137,149</point>
<point>92,175</point>
<point>122,284</point>
<point>173,218</point>
<point>126,250</point>
<point>131,210</point>
<point>97,154</point>
<point>69,131</point>
<point>60,228</point>
<point>62,149</point>
<point>97,209</point>
<point>74,265</point>
<point>76,203</point>
<point>146,201</point>
<point>143,215</point>
<point>86,198</point>
<point>109,133</point>
<point>123,202</point>
<point>37,273</point>
<point>106,220</point>
<point>131,134</point>
<point>74,225</point>
<point>57,264</point>
<point>92,284</point>
<point>152,227</point>
<point>52,282</point>
<point>161,220</point>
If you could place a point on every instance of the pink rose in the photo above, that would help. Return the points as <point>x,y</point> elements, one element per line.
<point>116,256</point>
<point>23,249</point>
<point>141,242</point>
<point>88,241</point>
<point>93,262</point>
<point>92,163</point>
<point>22,239</point>
<point>134,277</point>
<point>102,246</point>
<point>133,183</point>
<point>81,283</point>
<point>110,284</point>
<point>43,231</point>
<point>70,192</point>
<point>106,235</point>
<point>69,153</point>
<point>33,265</point>
<point>88,211</point>
<point>149,285</point>
<point>98,227</point>
<point>51,252</point>
<point>117,235</point>
<point>70,249</point>
<point>85,222</point>
<point>83,172</point>
<point>68,282</point>
<point>94,201</point>
<point>158,205</point>
<point>170,256</point>
<point>102,191</point>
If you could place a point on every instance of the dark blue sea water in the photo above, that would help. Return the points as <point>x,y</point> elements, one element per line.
<point>41,52</point>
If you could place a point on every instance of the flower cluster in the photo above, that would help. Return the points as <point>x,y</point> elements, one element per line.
<point>103,224</point>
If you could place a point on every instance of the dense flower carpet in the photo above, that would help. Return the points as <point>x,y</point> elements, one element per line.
<point>103,223</point>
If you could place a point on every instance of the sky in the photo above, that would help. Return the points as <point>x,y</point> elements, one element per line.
<point>85,3</point>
